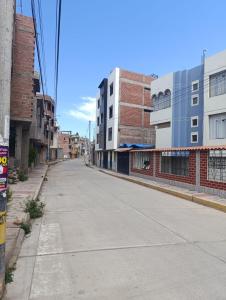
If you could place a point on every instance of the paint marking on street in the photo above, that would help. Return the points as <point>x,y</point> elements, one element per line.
<point>50,240</point>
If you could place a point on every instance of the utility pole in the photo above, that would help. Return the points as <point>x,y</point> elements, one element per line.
<point>7,9</point>
<point>89,142</point>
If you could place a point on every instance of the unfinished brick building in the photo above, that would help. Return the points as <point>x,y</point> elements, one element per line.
<point>123,117</point>
<point>22,90</point>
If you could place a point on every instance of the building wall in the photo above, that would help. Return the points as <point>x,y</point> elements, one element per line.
<point>217,104</point>
<point>64,142</point>
<point>191,178</point>
<point>135,98</point>
<point>102,109</point>
<point>182,109</point>
<point>23,70</point>
<point>113,100</point>
<point>159,117</point>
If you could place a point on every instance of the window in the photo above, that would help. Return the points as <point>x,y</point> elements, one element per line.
<point>176,163</point>
<point>194,137</point>
<point>194,121</point>
<point>194,100</point>
<point>110,134</point>
<point>162,101</point>
<point>195,86</point>
<point>111,88</point>
<point>217,84</point>
<point>98,121</point>
<point>98,138</point>
<point>141,160</point>
<point>102,118</point>
<point>110,112</point>
<point>217,125</point>
<point>98,103</point>
<point>217,165</point>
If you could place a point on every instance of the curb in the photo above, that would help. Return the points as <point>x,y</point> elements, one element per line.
<point>13,254</point>
<point>190,197</point>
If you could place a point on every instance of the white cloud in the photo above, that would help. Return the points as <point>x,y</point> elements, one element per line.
<point>86,110</point>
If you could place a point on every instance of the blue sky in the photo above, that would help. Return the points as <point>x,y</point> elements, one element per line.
<point>139,35</point>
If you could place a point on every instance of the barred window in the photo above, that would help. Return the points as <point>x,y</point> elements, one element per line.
<point>176,163</point>
<point>141,160</point>
<point>217,84</point>
<point>217,165</point>
<point>162,100</point>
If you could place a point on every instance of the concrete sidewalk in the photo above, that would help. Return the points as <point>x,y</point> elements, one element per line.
<point>208,200</point>
<point>22,191</point>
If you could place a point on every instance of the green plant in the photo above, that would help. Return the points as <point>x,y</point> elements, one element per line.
<point>35,208</point>
<point>26,227</point>
<point>9,275</point>
<point>22,176</point>
<point>9,194</point>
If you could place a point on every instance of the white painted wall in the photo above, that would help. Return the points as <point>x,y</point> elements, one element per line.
<point>213,105</point>
<point>113,100</point>
<point>163,137</point>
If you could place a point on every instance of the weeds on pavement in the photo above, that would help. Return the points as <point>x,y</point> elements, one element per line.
<point>35,208</point>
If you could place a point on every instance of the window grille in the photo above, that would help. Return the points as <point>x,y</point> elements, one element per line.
<point>175,163</point>
<point>217,165</point>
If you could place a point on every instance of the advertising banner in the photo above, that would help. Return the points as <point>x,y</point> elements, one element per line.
<point>3,167</point>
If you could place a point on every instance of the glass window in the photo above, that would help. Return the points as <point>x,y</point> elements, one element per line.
<point>111,89</point>
<point>110,111</point>
<point>141,160</point>
<point>194,137</point>
<point>195,86</point>
<point>217,124</point>
<point>194,122</point>
<point>177,165</point>
<point>110,134</point>
<point>195,100</point>
<point>217,84</point>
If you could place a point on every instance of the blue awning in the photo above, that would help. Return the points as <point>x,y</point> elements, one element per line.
<point>137,146</point>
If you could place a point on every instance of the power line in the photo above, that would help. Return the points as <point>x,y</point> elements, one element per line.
<point>57,45</point>
<point>42,43</point>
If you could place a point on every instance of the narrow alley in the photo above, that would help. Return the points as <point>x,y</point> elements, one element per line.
<point>104,238</point>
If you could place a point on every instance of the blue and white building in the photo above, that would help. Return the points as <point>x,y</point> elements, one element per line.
<point>190,105</point>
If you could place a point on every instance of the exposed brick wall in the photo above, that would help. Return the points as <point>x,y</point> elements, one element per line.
<point>130,116</point>
<point>147,120</point>
<point>64,141</point>
<point>135,76</point>
<point>131,93</point>
<point>191,178</point>
<point>147,98</point>
<point>148,172</point>
<point>23,69</point>
<point>204,174</point>
<point>136,135</point>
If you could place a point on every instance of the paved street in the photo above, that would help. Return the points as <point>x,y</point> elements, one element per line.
<point>107,239</point>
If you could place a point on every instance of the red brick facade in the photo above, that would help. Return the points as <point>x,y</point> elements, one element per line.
<point>204,174</point>
<point>64,143</point>
<point>23,69</point>
<point>132,93</point>
<point>135,76</point>
<point>191,178</point>
<point>130,116</point>
<point>135,96</point>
